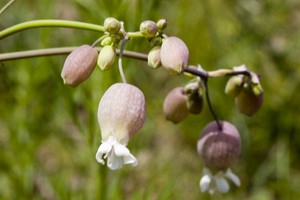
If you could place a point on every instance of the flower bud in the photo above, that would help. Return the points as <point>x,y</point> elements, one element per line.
<point>219,148</point>
<point>106,57</point>
<point>195,103</point>
<point>79,65</point>
<point>148,29</point>
<point>154,57</point>
<point>121,111</point>
<point>234,85</point>
<point>175,105</point>
<point>248,103</point>
<point>174,55</point>
<point>107,41</point>
<point>161,24</point>
<point>112,25</point>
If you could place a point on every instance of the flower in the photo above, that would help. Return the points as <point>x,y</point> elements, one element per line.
<point>219,146</point>
<point>121,113</point>
<point>210,183</point>
<point>117,154</point>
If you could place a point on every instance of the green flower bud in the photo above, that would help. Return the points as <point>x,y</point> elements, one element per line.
<point>248,103</point>
<point>107,41</point>
<point>106,57</point>
<point>174,55</point>
<point>112,25</point>
<point>154,57</point>
<point>161,24</point>
<point>175,106</point>
<point>148,29</point>
<point>234,85</point>
<point>157,41</point>
<point>79,65</point>
<point>257,89</point>
<point>219,149</point>
<point>195,103</point>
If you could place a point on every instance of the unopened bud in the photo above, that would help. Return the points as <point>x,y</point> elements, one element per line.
<point>148,29</point>
<point>234,85</point>
<point>154,57</point>
<point>79,65</point>
<point>175,106</point>
<point>248,103</point>
<point>107,41</point>
<point>174,55</point>
<point>112,25</point>
<point>219,148</point>
<point>106,57</point>
<point>161,24</point>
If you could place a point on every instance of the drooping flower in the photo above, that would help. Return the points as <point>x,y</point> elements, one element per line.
<point>219,148</point>
<point>121,113</point>
<point>217,182</point>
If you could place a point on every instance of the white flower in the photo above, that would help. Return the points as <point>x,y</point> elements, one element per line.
<point>121,113</point>
<point>116,153</point>
<point>211,183</point>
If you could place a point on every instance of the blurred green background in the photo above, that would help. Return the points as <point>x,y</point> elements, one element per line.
<point>49,132</point>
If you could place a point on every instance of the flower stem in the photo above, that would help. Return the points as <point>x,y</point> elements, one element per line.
<point>205,80</point>
<point>60,51</point>
<point>102,174</point>
<point>49,23</point>
<point>120,59</point>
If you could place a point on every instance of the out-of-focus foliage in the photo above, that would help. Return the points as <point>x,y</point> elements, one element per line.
<point>49,132</point>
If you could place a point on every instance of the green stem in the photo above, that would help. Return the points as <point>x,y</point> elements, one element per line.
<point>49,23</point>
<point>120,60</point>
<point>6,6</point>
<point>135,35</point>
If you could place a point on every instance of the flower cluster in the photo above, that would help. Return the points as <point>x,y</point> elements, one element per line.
<point>121,111</point>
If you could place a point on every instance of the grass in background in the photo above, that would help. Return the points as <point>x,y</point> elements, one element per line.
<point>49,132</point>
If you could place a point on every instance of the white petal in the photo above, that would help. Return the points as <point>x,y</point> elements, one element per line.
<point>235,179</point>
<point>114,162</point>
<point>204,183</point>
<point>121,150</point>
<point>103,149</point>
<point>222,184</point>
<point>130,159</point>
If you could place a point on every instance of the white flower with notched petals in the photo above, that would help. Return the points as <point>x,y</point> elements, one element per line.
<point>121,113</point>
<point>218,182</point>
<point>117,154</point>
